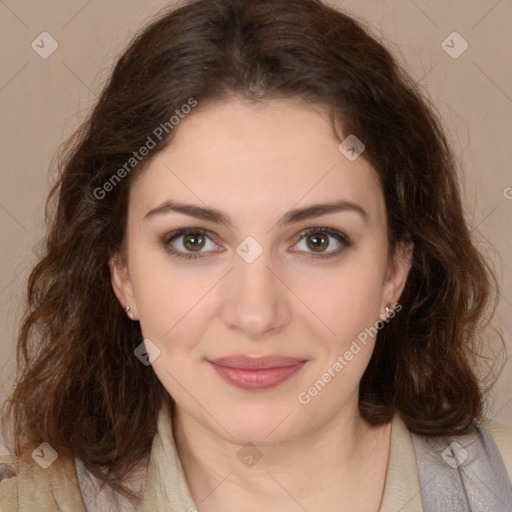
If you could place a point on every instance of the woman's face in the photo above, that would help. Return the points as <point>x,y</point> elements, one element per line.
<point>258,331</point>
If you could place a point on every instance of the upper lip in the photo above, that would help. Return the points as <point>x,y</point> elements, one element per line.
<point>255,363</point>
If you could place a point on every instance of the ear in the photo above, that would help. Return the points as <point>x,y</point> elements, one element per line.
<point>398,269</point>
<point>121,283</point>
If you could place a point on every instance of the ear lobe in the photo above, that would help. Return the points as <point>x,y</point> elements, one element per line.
<point>398,271</point>
<point>120,280</point>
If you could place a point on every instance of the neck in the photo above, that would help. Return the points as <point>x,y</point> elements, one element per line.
<point>337,460</point>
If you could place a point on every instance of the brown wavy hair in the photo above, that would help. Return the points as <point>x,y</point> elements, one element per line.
<point>80,387</point>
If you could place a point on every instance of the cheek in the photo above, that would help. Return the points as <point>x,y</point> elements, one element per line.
<point>345,300</point>
<point>172,300</point>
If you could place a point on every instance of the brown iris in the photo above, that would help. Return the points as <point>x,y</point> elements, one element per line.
<point>318,242</point>
<point>193,241</point>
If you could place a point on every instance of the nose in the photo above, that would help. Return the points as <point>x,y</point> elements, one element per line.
<point>256,302</point>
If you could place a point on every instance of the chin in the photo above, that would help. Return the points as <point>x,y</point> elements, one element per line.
<point>262,426</point>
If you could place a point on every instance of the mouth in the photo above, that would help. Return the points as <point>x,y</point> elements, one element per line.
<point>256,373</point>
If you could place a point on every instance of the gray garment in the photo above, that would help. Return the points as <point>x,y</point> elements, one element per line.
<point>462,473</point>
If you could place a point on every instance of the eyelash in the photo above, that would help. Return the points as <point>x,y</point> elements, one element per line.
<point>342,238</point>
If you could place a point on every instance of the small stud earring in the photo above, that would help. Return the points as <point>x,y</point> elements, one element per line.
<point>387,314</point>
<point>128,312</point>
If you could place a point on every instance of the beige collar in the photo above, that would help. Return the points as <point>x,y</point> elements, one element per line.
<point>166,488</point>
<point>402,489</point>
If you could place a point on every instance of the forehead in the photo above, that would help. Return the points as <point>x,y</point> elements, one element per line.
<point>257,157</point>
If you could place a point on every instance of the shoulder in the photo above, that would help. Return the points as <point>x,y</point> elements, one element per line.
<point>8,483</point>
<point>474,466</point>
<point>501,432</point>
<point>33,487</point>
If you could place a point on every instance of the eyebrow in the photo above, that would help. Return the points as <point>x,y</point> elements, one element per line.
<point>296,215</point>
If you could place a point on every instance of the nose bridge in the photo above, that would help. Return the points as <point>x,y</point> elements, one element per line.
<point>255,279</point>
<point>256,302</point>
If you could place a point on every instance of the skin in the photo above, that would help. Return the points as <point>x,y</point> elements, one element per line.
<point>255,162</point>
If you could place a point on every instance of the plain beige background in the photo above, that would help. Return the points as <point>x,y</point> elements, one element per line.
<point>43,100</point>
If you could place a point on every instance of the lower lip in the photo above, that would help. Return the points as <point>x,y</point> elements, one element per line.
<point>263,378</point>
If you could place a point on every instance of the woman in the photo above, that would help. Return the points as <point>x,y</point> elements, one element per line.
<point>259,289</point>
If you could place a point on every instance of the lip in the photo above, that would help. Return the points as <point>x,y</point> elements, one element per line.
<point>256,373</point>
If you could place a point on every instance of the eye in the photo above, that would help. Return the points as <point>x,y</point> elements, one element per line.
<point>188,243</point>
<point>316,241</point>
